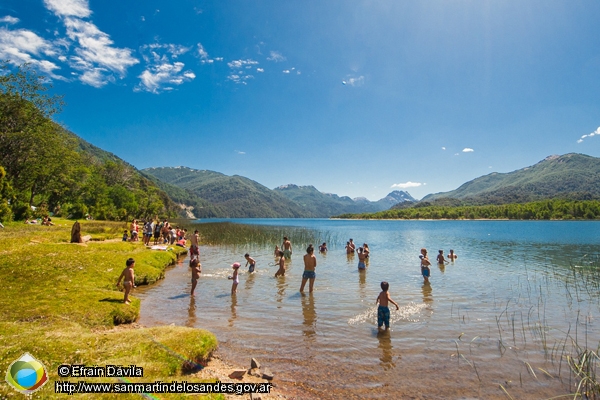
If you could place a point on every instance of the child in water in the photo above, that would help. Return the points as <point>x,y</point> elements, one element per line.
<point>440,257</point>
<point>251,261</point>
<point>383,311</point>
<point>281,270</point>
<point>235,277</point>
<point>452,256</point>
<point>196,271</point>
<point>361,259</point>
<point>425,271</point>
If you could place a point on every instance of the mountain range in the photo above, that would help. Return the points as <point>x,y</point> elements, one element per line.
<point>570,176</point>
<point>213,194</point>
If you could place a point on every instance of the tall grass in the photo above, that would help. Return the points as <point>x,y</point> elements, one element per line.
<point>227,233</point>
<point>522,322</point>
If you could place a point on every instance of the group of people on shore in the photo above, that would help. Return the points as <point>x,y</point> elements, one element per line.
<point>163,232</point>
<point>281,254</point>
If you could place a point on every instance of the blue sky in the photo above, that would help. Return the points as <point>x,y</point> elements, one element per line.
<point>357,98</point>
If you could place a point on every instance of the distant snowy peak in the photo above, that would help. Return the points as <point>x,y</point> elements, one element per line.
<point>292,186</point>
<point>399,196</point>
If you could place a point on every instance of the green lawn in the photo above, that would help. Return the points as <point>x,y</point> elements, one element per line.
<point>59,302</point>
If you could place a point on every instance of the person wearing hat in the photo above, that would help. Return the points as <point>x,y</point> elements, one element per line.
<point>236,278</point>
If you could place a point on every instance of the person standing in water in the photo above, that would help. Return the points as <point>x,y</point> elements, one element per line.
<point>310,263</point>
<point>235,277</point>
<point>196,271</point>
<point>425,270</point>
<point>287,248</point>
<point>440,257</point>
<point>352,245</point>
<point>383,311</point>
<point>251,261</point>
<point>361,259</point>
<point>452,256</point>
<point>281,270</point>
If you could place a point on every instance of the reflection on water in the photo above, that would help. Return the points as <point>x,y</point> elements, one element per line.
<point>511,277</point>
<point>191,321</point>
<point>233,309</point>
<point>362,283</point>
<point>281,286</point>
<point>427,294</point>
<point>442,267</point>
<point>250,280</point>
<point>309,315</point>
<point>385,344</point>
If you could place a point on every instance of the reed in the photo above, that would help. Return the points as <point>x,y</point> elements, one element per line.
<point>227,233</point>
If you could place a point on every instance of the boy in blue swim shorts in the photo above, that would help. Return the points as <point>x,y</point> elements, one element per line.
<point>425,270</point>
<point>383,311</point>
<point>310,263</point>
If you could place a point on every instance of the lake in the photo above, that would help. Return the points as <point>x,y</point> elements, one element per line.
<point>499,321</point>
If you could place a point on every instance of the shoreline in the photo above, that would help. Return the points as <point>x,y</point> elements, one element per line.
<point>218,368</point>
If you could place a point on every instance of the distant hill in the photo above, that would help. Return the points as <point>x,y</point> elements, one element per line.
<point>324,205</point>
<point>570,176</point>
<point>226,196</point>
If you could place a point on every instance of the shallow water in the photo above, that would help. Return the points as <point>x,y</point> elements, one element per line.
<point>503,315</point>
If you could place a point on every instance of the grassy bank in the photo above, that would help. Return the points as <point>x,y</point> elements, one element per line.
<point>59,302</point>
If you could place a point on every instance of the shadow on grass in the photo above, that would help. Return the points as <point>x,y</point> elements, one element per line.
<point>111,300</point>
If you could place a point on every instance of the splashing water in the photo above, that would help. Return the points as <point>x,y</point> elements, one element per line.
<point>405,313</point>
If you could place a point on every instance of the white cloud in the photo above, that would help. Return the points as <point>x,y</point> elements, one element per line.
<point>276,56</point>
<point>238,75</point>
<point>161,76</point>
<point>9,20</point>
<point>443,148</point>
<point>406,185</point>
<point>96,77</point>
<point>236,64</point>
<point>69,8</point>
<point>202,52</point>
<point>596,132</point>
<point>240,79</point>
<point>260,70</point>
<point>22,46</point>
<point>240,152</point>
<point>286,71</point>
<point>354,81</point>
<point>467,150</point>
<point>95,48</point>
